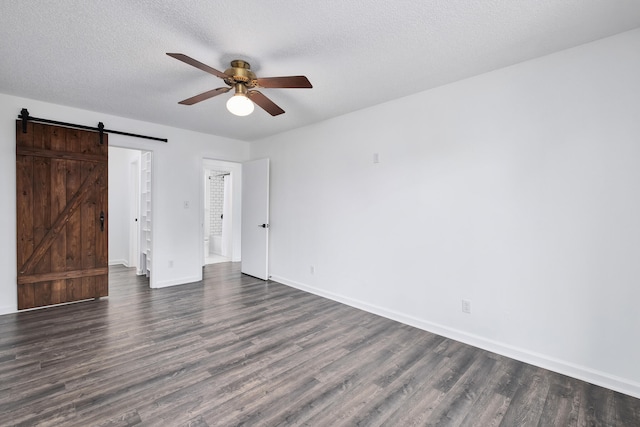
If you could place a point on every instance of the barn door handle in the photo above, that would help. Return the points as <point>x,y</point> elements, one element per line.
<point>101,221</point>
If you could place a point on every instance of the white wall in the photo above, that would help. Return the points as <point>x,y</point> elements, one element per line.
<point>518,189</point>
<point>120,204</point>
<point>177,178</point>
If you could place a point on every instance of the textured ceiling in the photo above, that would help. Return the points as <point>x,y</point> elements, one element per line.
<point>109,56</point>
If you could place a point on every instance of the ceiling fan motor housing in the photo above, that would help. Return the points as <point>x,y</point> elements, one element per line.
<point>240,72</point>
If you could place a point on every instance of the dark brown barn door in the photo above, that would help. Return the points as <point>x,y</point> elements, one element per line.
<point>61,177</point>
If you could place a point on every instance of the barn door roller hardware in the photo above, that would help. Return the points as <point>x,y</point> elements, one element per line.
<point>24,115</point>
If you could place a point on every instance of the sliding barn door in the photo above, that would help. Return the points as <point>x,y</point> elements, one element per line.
<point>61,177</point>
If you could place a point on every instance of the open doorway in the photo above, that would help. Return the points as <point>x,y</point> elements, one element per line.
<point>218,216</point>
<point>221,211</point>
<point>130,209</point>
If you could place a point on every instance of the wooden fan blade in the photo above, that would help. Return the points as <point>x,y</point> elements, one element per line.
<point>205,95</point>
<point>265,103</point>
<point>188,60</point>
<point>290,82</point>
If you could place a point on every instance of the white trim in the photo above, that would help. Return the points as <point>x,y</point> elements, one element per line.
<point>583,373</point>
<point>174,282</point>
<point>7,309</point>
<point>119,262</point>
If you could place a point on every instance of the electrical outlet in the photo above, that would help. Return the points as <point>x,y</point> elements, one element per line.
<point>466,306</point>
<point>312,269</point>
<point>171,264</point>
<point>186,204</point>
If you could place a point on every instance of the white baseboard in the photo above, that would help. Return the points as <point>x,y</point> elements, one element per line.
<point>583,373</point>
<point>8,309</point>
<point>119,262</point>
<point>175,282</point>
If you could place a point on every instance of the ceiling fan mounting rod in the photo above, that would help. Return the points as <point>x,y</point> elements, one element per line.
<point>241,89</point>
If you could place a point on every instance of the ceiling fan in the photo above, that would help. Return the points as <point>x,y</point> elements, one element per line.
<point>240,77</point>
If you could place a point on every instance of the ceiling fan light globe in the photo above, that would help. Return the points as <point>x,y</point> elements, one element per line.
<point>240,105</point>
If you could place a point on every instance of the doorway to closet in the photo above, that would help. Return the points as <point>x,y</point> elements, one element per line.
<point>130,197</point>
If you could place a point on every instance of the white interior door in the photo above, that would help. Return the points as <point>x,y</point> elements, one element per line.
<point>255,218</point>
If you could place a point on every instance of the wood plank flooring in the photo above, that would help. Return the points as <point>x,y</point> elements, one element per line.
<point>235,351</point>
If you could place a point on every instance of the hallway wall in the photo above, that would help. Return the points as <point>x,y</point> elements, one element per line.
<point>120,221</point>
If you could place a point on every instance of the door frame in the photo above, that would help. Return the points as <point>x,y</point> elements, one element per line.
<point>235,169</point>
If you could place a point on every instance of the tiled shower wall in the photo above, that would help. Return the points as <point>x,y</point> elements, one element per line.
<point>216,198</point>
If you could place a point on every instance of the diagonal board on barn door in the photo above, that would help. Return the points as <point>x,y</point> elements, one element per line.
<point>61,221</point>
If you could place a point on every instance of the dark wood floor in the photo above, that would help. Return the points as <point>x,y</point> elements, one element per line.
<point>233,350</point>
